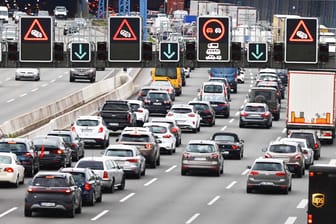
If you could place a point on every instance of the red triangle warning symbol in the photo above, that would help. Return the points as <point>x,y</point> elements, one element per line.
<point>124,32</point>
<point>301,33</point>
<point>35,32</point>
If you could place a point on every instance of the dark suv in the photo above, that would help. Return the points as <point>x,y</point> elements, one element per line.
<point>266,95</point>
<point>25,152</point>
<point>312,140</point>
<point>158,101</point>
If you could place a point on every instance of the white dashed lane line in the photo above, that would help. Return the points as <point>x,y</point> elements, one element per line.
<point>150,182</point>
<point>127,197</point>
<point>23,94</point>
<point>230,121</point>
<point>192,218</point>
<point>44,85</point>
<point>291,220</point>
<point>170,169</point>
<point>245,172</point>
<point>60,76</point>
<point>10,100</point>
<point>237,113</point>
<point>303,203</point>
<point>284,130</point>
<point>231,184</point>
<point>8,211</point>
<point>99,215</point>
<point>214,200</point>
<point>223,128</point>
<point>34,90</point>
<point>54,80</point>
<point>8,79</point>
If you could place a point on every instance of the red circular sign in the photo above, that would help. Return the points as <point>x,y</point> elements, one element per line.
<point>213,30</point>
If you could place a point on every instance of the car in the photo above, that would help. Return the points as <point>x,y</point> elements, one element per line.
<point>269,174</point>
<point>290,152</point>
<point>60,12</point>
<point>11,170</point>
<point>219,103</point>
<point>213,89</point>
<point>226,84</point>
<point>53,191</point>
<point>70,28</point>
<point>166,139</point>
<point>186,71</point>
<point>272,84</point>
<point>92,130</point>
<point>108,170</point>
<point>202,155</point>
<point>27,74</point>
<point>206,111</point>
<point>308,153</point>
<point>144,91</point>
<point>146,142</point>
<point>173,128</point>
<point>272,77</point>
<point>183,78</point>
<point>53,152</point>
<point>142,114</point>
<point>128,157</point>
<point>312,139</point>
<point>9,35</point>
<point>17,15</point>
<point>43,13</point>
<point>83,73</point>
<point>229,144</point>
<point>72,140</point>
<point>164,85</point>
<point>25,151</point>
<point>255,114</point>
<point>158,101</point>
<point>241,75</point>
<point>185,116</point>
<point>89,183</point>
<point>283,75</point>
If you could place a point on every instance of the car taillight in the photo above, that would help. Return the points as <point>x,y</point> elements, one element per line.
<point>280,174</point>
<point>140,94</point>
<point>67,191</point>
<point>207,111</point>
<point>140,110</point>
<point>27,154</point>
<point>59,151</point>
<point>42,151</point>
<point>235,147</point>
<point>73,145</point>
<point>210,74</point>
<point>266,114</point>
<point>243,114</point>
<point>297,157</point>
<point>132,160</point>
<point>169,90</point>
<point>148,146</point>
<point>315,146</point>
<point>170,114</point>
<point>73,128</point>
<point>254,173</point>
<point>186,155</point>
<point>8,170</point>
<point>222,104</point>
<point>214,156</point>
<point>100,130</point>
<point>167,136</point>
<point>87,186</point>
<point>310,219</point>
<point>128,118</point>
<point>267,155</point>
<point>167,102</point>
<point>105,175</point>
<point>174,130</point>
<point>146,101</point>
<point>191,115</point>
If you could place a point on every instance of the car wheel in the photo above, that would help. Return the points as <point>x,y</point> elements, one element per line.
<point>77,157</point>
<point>285,191</point>
<point>111,189</point>
<point>143,173</point>
<point>194,130</point>
<point>79,209</point>
<point>248,190</point>
<point>158,161</point>
<point>122,184</point>
<point>299,173</point>
<point>218,172</point>
<point>199,128</point>
<point>277,116</point>
<point>16,184</point>
<point>153,164</point>
<point>31,173</point>
<point>71,213</point>
<point>241,125</point>
<point>28,212</point>
<point>23,179</point>
<point>290,187</point>
<point>170,152</point>
<point>99,199</point>
<point>183,172</point>
<point>138,174</point>
<point>92,199</point>
<point>93,80</point>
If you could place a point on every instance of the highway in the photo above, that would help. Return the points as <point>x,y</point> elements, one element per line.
<point>163,196</point>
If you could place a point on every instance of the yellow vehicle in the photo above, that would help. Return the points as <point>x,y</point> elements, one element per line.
<point>173,74</point>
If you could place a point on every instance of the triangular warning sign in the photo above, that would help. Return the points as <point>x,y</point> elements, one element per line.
<point>35,32</point>
<point>124,32</point>
<point>301,33</point>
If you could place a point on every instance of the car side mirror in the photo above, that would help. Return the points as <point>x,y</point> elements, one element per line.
<point>117,139</point>
<point>242,141</point>
<point>249,167</point>
<point>264,149</point>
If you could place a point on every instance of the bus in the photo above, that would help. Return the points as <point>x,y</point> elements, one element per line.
<point>173,74</point>
<point>321,194</point>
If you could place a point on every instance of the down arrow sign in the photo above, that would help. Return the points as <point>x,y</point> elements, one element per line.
<point>169,54</point>
<point>257,55</point>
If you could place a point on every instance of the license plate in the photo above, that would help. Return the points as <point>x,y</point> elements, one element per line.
<point>267,183</point>
<point>214,105</point>
<point>46,152</point>
<point>180,121</point>
<point>226,152</point>
<point>113,124</point>
<point>86,130</point>
<point>48,204</point>
<point>157,103</point>
<point>200,159</point>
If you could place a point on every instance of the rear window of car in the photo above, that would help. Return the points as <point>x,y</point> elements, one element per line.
<point>263,166</point>
<point>266,94</point>
<point>87,122</point>
<point>213,89</point>
<point>50,181</point>
<point>13,147</point>
<point>158,129</point>
<point>255,109</point>
<point>79,178</point>
<point>200,148</point>
<point>157,96</point>
<point>200,106</point>
<point>120,152</point>
<point>308,136</point>
<point>181,110</point>
<point>135,106</point>
<point>134,138</point>
<point>94,165</point>
<point>228,138</point>
<point>5,160</point>
<point>163,72</point>
<point>282,148</point>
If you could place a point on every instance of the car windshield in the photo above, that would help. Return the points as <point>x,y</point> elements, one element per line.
<point>50,181</point>
<point>213,98</point>
<point>119,152</point>
<point>213,89</point>
<point>200,106</point>
<point>255,109</point>
<point>228,138</point>
<point>13,147</point>
<point>135,106</point>
<point>181,110</point>
<point>5,160</point>
<point>87,122</point>
<point>157,129</point>
<point>266,166</point>
<point>134,138</point>
<point>95,165</point>
<point>166,72</point>
<point>200,148</point>
<point>282,148</point>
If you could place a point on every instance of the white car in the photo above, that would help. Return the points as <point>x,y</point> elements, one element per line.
<point>142,114</point>
<point>128,158</point>
<point>92,130</point>
<point>27,73</point>
<point>167,139</point>
<point>241,76</point>
<point>185,116</point>
<point>11,171</point>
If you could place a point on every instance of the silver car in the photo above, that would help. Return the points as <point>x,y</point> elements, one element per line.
<point>269,174</point>
<point>255,114</point>
<point>27,73</point>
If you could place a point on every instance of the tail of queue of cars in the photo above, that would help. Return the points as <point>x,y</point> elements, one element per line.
<point>173,74</point>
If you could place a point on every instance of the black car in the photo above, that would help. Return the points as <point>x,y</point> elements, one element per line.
<point>53,191</point>
<point>158,101</point>
<point>25,152</point>
<point>205,110</point>
<point>83,73</point>
<point>220,104</point>
<point>144,91</point>
<point>229,144</point>
<point>73,141</point>
<point>89,182</point>
<point>53,151</point>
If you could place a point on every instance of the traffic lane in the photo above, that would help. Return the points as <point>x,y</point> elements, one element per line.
<point>19,97</point>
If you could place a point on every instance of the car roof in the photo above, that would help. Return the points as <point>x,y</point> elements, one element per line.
<point>158,91</point>
<point>23,140</point>
<point>213,83</point>
<point>268,160</point>
<point>162,119</point>
<point>294,139</point>
<point>8,154</point>
<point>187,106</point>
<point>94,158</point>
<point>156,124</point>
<point>121,146</point>
<point>225,133</point>
<point>267,70</point>
<point>256,104</point>
<point>136,130</point>
<point>263,88</point>
<point>283,142</point>
<point>199,102</point>
<point>51,173</point>
<point>73,169</point>
<point>201,142</point>
<point>135,101</point>
<point>87,117</point>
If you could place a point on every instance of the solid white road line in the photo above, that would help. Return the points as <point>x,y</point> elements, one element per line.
<point>127,197</point>
<point>303,203</point>
<point>231,184</point>
<point>11,100</point>
<point>150,182</point>
<point>223,128</point>
<point>214,200</point>
<point>192,218</point>
<point>8,211</point>
<point>99,215</point>
<point>34,90</point>
<point>245,172</point>
<point>24,94</point>
<point>290,220</point>
<point>170,169</point>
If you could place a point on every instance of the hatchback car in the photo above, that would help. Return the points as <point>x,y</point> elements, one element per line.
<point>213,89</point>
<point>107,169</point>
<point>144,91</point>
<point>128,158</point>
<point>312,139</point>
<point>255,114</point>
<point>27,74</point>
<point>275,85</point>
<point>219,103</point>
<point>72,140</point>
<point>205,110</point>
<point>269,174</point>
<point>202,155</point>
<point>11,170</point>
<point>226,84</point>
<point>229,144</point>
<point>290,152</point>
<point>173,127</point>
<point>53,191</point>
<point>89,183</point>
<point>83,73</point>
<point>141,113</point>
<point>92,130</point>
<point>158,101</point>
<point>25,151</point>
<point>185,116</point>
<point>52,151</point>
<point>164,85</point>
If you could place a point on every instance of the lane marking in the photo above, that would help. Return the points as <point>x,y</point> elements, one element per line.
<point>237,113</point>
<point>8,211</point>
<point>245,172</point>
<point>231,185</point>
<point>150,182</point>
<point>278,138</point>
<point>230,121</point>
<point>214,200</point>
<point>11,100</point>
<point>290,220</point>
<point>170,169</point>
<point>127,197</point>
<point>8,79</point>
<point>60,76</point>
<point>303,203</point>
<point>24,94</point>
<point>34,90</point>
<point>284,130</point>
<point>99,215</point>
<point>54,80</point>
<point>44,85</point>
<point>251,86</point>
<point>192,218</point>
<point>223,128</point>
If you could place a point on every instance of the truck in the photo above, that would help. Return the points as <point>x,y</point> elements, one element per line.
<point>279,27</point>
<point>311,103</point>
<point>230,73</point>
<point>321,194</point>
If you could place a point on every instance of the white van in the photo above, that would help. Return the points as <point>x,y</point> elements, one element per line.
<point>4,14</point>
<point>213,88</point>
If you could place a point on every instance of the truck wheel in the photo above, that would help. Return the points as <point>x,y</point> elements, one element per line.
<point>277,116</point>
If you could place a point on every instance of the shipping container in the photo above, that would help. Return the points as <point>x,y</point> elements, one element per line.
<point>278,24</point>
<point>247,16</point>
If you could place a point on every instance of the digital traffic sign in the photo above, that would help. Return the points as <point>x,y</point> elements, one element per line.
<point>169,52</point>
<point>80,52</point>
<point>257,52</point>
